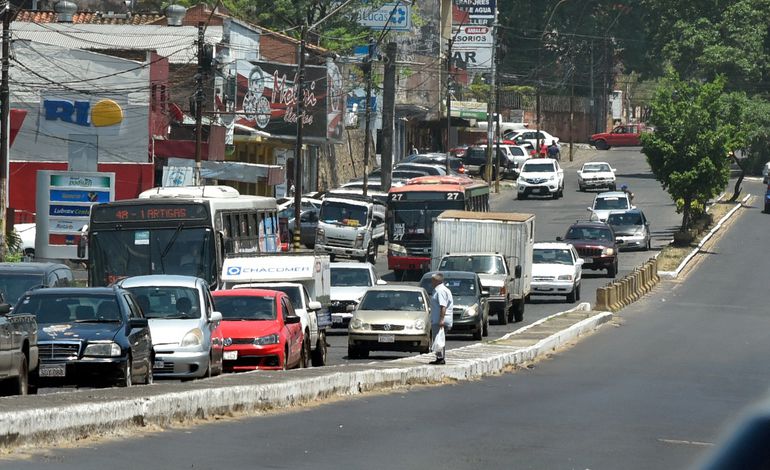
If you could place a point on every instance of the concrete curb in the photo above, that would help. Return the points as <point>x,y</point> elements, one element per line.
<point>675,273</point>
<point>59,423</point>
<point>623,292</point>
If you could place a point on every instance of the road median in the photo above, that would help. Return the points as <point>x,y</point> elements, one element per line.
<point>52,419</point>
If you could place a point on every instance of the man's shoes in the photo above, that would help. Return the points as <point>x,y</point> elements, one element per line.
<point>438,362</point>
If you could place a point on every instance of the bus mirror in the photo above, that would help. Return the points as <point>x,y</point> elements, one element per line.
<point>82,247</point>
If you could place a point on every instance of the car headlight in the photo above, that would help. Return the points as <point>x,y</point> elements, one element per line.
<point>360,240</point>
<point>565,277</point>
<point>106,349</point>
<point>356,324</point>
<point>396,250</point>
<point>419,325</point>
<point>639,232</point>
<point>193,337</point>
<point>320,234</point>
<point>471,311</point>
<point>551,178</point>
<point>494,290</point>
<point>266,340</point>
<point>608,252</point>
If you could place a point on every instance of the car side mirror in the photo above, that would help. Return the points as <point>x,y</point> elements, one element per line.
<point>81,253</point>
<point>137,323</point>
<point>215,317</point>
<point>381,282</point>
<point>485,293</point>
<point>614,170</point>
<point>589,209</point>
<point>517,271</point>
<point>558,239</point>
<point>293,319</point>
<point>619,242</point>
<point>314,305</point>
<point>5,309</point>
<point>580,262</point>
<point>350,308</point>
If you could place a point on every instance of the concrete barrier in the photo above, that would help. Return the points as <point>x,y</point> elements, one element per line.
<point>623,292</point>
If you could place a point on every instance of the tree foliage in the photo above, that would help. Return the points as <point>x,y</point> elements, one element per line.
<point>695,128</point>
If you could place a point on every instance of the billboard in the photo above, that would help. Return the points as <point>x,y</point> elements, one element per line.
<point>393,16</point>
<point>472,47</point>
<point>64,200</point>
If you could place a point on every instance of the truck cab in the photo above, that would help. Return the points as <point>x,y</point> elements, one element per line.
<point>351,226</point>
<point>304,278</point>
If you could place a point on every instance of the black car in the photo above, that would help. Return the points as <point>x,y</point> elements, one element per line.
<point>90,333</point>
<point>475,161</point>
<point>456,166</point>
<point>18,278</point>
<point>471,309</point>
<point>596,243</point>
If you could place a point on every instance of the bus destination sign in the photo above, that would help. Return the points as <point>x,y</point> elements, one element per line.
<point>147,212</point>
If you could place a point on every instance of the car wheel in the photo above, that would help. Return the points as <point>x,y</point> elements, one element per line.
<point>353,352</point>
<point>319,355</point>
<point>572,296</point>
<point>303,355</point>
<point>148,378</point>
<point>648,246</point>
<point>601,145</point>
<point>521,196</point>
<point>581,188</point>
<point>285,362</point>
<point>577,294</point>
<point>485,332</point>
<point>502,317</point>
<point>556,194</point>
<point>21,383</point>
<point>612,271</point>
<point>478,333</point>
<point>518,312</point>
<point>209,368</point>
<point>128,372</point>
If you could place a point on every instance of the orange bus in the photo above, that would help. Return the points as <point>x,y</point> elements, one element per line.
<point>412,208</point>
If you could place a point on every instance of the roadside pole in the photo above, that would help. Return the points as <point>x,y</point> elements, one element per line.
<point>199,103</point>
<point>388,114</point>
<point>368,112</point>
<point>5,111</point>
<point>299,145</point>
<point>448,99</point>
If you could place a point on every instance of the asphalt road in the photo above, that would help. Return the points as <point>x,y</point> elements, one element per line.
<point>654,392</point>
<point>553,217</point>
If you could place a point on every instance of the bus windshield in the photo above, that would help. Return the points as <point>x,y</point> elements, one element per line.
<point>341,213</point>
<point>414,219</point>
<point>117,254</point>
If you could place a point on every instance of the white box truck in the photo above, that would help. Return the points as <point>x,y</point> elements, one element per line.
<point>305,278</point>
<point>495,245</point>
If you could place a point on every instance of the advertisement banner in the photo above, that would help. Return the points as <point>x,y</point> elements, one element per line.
<point>267,99</point>
<point>477,8</point>
<point>335,104</point>
<point>473,47</point>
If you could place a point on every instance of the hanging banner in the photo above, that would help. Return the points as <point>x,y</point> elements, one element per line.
<point>472,48</point>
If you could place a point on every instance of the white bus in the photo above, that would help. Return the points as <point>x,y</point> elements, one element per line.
<point>180,230</point>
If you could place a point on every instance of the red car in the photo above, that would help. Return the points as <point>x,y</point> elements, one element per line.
<point>627,135</point>
<point>260,330</point>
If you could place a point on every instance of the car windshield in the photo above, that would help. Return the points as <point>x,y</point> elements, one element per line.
<point>588,233</point>
<point>551,256</point>
<point>245,307</point>
<point>407,301</point>
<point>351,277</point>
<point>71,308</point>
<point>486,264</point>
<point>333,212</point>
<point>13,285</point>
<point>167,302</point>
<point>538,168</point>
<point>610,203</point>
<point>459,287</point>
<point>596,168</point>
<point>626,218</point>
<point>294,293</point>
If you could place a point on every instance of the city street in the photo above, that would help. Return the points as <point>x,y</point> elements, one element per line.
<point>696,351</point>
<point>553,217</point>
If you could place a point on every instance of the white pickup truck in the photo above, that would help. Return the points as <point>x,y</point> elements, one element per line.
<point>305,278</point>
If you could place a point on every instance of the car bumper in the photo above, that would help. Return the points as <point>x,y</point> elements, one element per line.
<point>461,325</point>
<point>551,287</point>
<point>401,342</point>
<point>600,263</point>
<point>180,364</point>
<point>631,243</point>
<point>542,189</point>
<point>340,251</point>
<point>496,303</point>
<point>409,263</point>
<point>341,320</point>
<point>597,184</point>
<point>95,368</point>
<point>251,357</point>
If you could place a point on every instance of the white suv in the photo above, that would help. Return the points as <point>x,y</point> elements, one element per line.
<point>556,270</point>
<point>610,201</point>
<point>540,176</point>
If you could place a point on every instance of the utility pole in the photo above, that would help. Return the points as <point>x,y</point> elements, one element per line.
<point>497,105</point>
<point>491,123</point>
<point>5,111</point>
<point>593,105</point>
<point>388,113</point>
<point>368,110</point>
<point>300,97</point>
<point>448,99</point>
<point>571,104</point>
<point>199,104</point>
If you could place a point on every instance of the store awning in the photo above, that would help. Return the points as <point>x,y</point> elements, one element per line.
<point>234,171</point>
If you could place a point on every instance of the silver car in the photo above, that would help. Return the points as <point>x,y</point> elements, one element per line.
<point>184,326</point>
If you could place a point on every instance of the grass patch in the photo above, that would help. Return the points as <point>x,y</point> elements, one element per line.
<point>671,256</point>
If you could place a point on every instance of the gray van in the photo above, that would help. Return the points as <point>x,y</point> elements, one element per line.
<point>18,278</point>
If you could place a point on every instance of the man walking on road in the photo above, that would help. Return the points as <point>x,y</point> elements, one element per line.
<point>441,305</point>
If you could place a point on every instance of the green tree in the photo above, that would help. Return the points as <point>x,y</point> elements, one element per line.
<point>695,129</point>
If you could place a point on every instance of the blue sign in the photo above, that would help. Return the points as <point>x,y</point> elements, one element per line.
<point>60,195</point>
<point>69,211</point>
<point>394,16</point>
<point>103,113</point>
<point>360,101</point>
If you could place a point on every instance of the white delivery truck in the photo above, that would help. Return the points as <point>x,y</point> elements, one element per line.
<point>305,278</point>
<point>350,225</point>
<point>495,245</point>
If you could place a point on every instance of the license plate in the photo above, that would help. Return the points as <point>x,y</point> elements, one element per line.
<point>158,364</point>
<point>588,260</point>
<point>230,355</point>
<point>537,190</point>
<point>336,319</point>
<point>386,339</point>
<point>52,370</point>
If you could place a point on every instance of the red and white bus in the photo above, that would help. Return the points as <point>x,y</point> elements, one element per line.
<point>412,209</point>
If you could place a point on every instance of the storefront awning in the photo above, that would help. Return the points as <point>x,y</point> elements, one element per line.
<point>234,171</point>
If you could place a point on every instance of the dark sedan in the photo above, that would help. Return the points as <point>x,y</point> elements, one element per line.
<point>596,244</point>
<point>90,333</point>
<point>471,309</point>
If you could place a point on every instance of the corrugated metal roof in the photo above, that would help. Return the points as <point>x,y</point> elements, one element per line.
<point>176,43</point>
<point>88,17</point>
<point>501,216</point>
